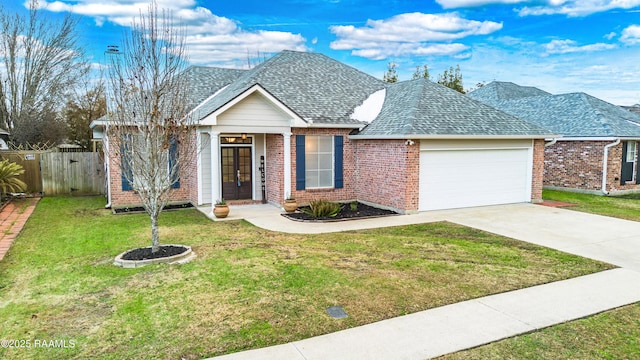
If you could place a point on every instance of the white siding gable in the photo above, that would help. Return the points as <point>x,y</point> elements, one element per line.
<point>254,110</point>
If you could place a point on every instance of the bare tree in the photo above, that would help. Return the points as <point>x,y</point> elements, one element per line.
<point>150,130</point>
<point>41,62</point>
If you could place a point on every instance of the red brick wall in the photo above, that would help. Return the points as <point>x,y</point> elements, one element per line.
<point>274,168</point>
<point>188,180</point>
<point>349,167</point>
<point>538,170</point>
<point>578,165</point>
<point>574,164</point>
<point>388,173</point>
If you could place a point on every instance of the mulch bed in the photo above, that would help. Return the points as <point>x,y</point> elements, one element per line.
<point>140,209</point>
<point>145,253</point>
<point>362,212</point>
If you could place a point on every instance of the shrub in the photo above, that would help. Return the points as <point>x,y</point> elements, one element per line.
<point>322,208</point>
<point>8,177</point>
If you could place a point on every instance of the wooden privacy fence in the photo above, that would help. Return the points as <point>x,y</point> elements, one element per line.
<point>30,161</point>
<point>60,173</point>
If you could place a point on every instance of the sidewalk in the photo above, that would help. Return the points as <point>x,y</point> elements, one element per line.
<point>464,325</point>
<point>12,219</point>
<point>476,322</point>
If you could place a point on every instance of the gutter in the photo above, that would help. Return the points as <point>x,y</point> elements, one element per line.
<point>605,160</point>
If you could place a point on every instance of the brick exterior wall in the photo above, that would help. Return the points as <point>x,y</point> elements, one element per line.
<point>188,180</point>
<point>574,164</point>
<point>538,170</point>
<point>274,168</point>
<point>347,192</point>
<point>578,165</point>
<point>388,173</point>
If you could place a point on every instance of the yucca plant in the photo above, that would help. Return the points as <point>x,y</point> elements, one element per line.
<point>322,208</point>
<point>8,178</point>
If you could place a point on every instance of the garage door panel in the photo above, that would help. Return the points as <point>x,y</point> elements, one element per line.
<point>463,178</point>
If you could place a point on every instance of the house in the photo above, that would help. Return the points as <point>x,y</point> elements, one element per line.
<point>598,150</point>
<point>307,126</point>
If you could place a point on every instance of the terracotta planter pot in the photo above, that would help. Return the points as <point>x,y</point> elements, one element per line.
<point>290,205</point>
<point>221,211</point>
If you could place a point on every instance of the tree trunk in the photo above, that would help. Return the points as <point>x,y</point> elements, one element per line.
<point>155,237</point>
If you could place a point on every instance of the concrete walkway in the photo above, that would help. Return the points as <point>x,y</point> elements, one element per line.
<point>13,216</point>
<point>480,321</point>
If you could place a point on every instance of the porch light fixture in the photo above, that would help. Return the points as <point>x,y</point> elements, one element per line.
<point>243,136</point>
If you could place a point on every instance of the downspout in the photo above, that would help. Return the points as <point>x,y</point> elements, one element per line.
<point>108,161</point>
<point>605,160</point>
<point>553,141</point>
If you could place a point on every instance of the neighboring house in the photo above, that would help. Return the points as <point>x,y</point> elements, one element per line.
<point>598,151</point>
<point>307,126</point>
<point>633,108</point>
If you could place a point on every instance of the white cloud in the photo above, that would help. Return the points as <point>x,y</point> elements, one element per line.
<point>410,34</point>
<point>452,4</point>
<point>576,8</point>
<point>212,39</point>
<point>631,35</point>
<point>610,35</point>
<point>570,46</point>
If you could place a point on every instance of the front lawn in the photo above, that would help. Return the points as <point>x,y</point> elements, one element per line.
<point>247,288</point>
<point>624,207</point>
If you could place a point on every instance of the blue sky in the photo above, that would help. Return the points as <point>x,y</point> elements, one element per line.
<point>560,46</point>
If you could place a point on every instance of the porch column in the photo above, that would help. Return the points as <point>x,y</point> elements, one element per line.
<point>287,164</point>
<point>214,139</point>
<point>199,164</point>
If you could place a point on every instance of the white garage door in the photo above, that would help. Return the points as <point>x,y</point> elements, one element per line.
<point>464,177</point>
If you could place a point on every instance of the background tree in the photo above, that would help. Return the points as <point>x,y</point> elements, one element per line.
<point>41,61</point>
<point>391,75</point>
<point>81,111</point>
<point>452,78</point>
<point>150,132</point>
<point>421,72</point>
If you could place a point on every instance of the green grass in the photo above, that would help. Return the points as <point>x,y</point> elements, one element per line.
<point>613,334</point>
<point>624,207</point>
<point>247,288</point>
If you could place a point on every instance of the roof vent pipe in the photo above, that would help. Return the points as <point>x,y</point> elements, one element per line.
<point>605,160</point>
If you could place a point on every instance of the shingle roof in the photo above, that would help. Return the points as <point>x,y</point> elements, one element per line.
<point>317,88</point>
<point>571,115</point>
<point>421,107</point>
<point>205,81</point>
<point>497,91</point>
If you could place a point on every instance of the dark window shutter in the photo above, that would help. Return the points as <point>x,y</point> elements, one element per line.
<point>173,161</point>
<point>300,163</point>
<point>125,169</point>
<point>338,177</point>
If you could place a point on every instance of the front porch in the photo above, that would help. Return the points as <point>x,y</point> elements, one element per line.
<point>244,168</point>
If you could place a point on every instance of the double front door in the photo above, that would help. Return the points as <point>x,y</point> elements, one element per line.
<point>236,173</point>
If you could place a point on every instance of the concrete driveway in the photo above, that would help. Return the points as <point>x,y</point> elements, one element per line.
<point>608,239</point>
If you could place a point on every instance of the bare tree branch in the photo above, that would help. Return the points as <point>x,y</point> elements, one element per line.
<point>41,62</point>
<point>150,130</point>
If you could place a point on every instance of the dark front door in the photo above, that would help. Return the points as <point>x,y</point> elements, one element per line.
<point>236,173</point>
